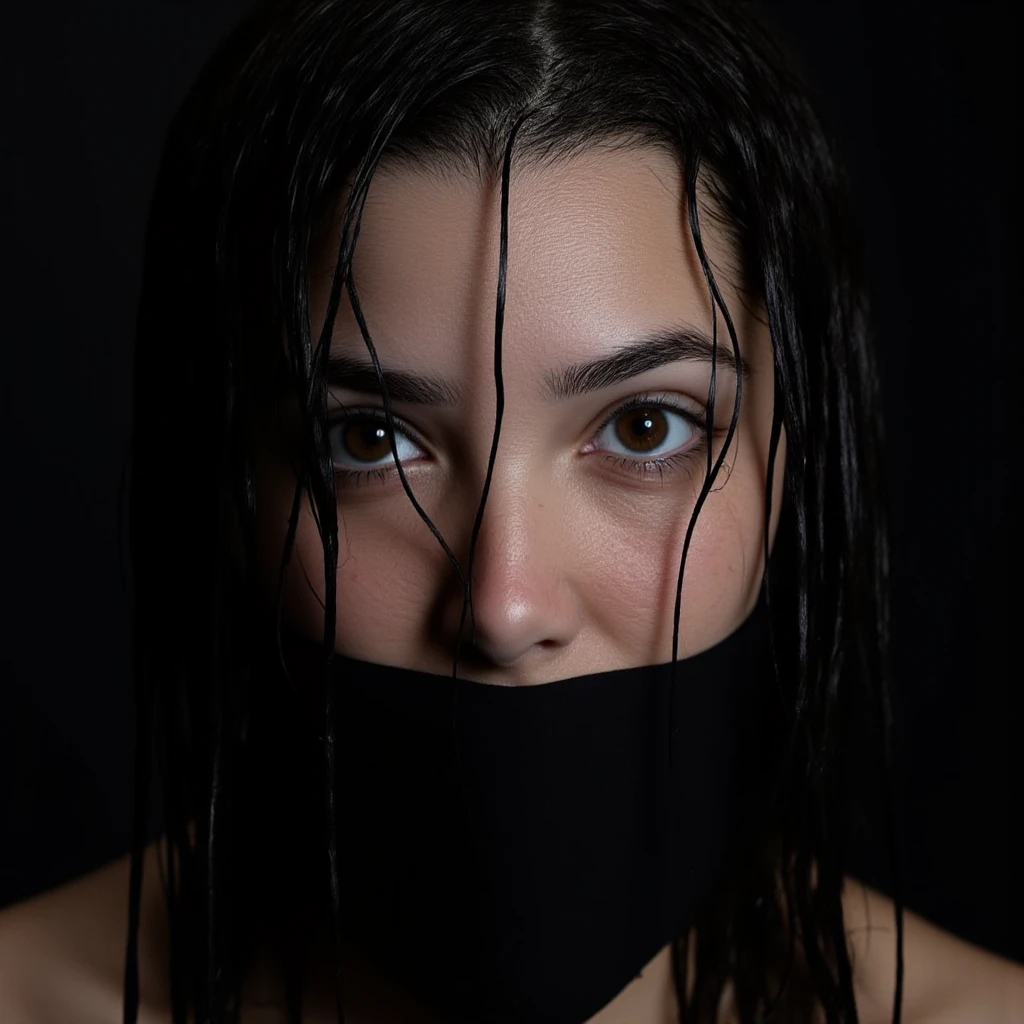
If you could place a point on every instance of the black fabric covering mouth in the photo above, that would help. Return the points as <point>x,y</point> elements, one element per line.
<point>519,854</point>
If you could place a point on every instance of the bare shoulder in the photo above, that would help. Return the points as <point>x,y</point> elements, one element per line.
<point>62,952</point>
<point>945,979</point>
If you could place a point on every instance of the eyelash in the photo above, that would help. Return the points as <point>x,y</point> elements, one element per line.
<point>645,468</point>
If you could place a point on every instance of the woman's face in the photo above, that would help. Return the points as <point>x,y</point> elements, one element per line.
<point>606,368</point>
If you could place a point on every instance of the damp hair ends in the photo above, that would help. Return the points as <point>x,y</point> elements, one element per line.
<point>303,102</point>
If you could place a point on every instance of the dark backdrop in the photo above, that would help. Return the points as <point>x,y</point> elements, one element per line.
<point>923,94</point>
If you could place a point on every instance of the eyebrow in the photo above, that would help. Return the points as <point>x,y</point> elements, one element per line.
<point>670,345</point>
<point>359,375</point>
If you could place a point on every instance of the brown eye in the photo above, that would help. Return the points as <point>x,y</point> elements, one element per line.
<point>647,430</point>
<point>366,441</point>
<point>361,442</point>
<point>642,430</point>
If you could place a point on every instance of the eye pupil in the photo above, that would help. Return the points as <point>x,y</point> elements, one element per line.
<point>642,429</point>
<point>366,440</point>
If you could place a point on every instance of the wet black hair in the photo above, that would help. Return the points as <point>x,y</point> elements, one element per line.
<point>301,105</point>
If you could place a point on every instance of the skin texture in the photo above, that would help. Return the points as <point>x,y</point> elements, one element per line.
<point>576,564</point>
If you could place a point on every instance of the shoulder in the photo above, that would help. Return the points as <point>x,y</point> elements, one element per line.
<point>945,979</point>
<point>62,952</point>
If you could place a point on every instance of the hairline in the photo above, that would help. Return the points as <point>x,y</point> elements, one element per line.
<point>470,160</point>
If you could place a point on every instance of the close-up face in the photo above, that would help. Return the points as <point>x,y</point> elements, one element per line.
<point>602,452</point>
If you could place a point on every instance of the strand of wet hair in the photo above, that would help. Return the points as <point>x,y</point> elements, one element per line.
<point>499,383</point>
<point>717,302</point>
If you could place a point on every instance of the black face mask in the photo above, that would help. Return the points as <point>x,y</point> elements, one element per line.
<point>516,855</point>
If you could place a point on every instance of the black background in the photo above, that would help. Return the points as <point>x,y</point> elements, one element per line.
<point>924,98</point>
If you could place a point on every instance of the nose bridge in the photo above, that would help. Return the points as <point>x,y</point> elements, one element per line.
<point>516,528</point>
<point>522,599</point>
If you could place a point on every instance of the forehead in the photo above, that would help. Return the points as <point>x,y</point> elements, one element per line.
<point>598,242</point>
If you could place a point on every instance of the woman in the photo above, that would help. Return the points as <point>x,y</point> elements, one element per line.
<point>507,544</point>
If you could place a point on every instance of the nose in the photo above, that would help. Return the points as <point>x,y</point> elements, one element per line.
<point>524,609</point>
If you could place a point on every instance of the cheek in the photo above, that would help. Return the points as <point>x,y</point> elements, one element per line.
<point>628,571</point>
<point>385,580</point>
<point>385,588</point>
<point>726,560</point>
<point>366,584</point>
